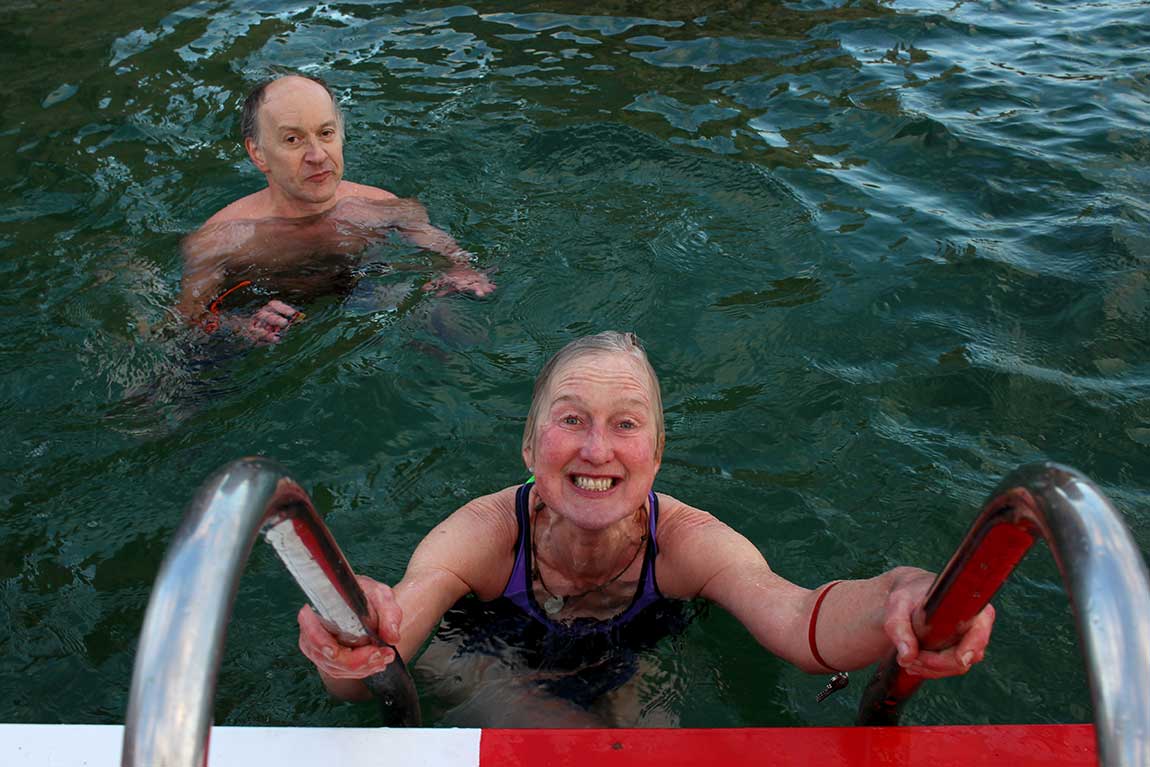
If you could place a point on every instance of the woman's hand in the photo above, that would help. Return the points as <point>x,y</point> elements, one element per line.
<point>337,661</point>
<point>904,624</point>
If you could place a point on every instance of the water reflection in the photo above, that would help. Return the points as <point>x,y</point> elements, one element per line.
<point>881,253</point>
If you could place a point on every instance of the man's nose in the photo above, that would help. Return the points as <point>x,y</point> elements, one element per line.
<point>314,151</point>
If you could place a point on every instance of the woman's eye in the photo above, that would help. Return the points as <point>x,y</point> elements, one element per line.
<point>627,424</point>
<point>570,420</point>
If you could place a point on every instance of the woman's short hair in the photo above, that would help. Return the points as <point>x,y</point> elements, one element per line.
<point>609,341</point>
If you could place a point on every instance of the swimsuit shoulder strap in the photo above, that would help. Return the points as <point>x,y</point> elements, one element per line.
<point>518,588</point>
<point>647,592</point>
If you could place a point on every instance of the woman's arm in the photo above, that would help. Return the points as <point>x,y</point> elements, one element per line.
<point>470,551</point>
<point>857,623</point>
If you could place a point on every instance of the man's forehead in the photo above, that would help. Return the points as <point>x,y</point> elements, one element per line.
<point>296,97</point>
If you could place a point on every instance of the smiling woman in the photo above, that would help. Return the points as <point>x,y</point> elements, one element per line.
<point>571,541</point>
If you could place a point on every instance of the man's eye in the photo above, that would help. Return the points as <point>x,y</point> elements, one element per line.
<point>571,420</point>
<point>291,140</point>
<point>328,133</point>
<point>627,424</point>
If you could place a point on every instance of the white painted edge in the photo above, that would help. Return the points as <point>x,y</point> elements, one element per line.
<point>99,745</point>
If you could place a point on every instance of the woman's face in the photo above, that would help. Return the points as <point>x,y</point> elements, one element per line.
<point>594,451</point>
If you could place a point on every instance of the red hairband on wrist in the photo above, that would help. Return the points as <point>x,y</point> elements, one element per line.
<point>211,323</point>
<point>814,623</point>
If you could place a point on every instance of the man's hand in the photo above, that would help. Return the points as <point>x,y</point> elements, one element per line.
<point>903,623</point>
<point>267,326</point>
<point>461,279</point>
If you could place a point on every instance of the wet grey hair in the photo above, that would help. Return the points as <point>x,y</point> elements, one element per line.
<point>249,120</point>
<point>607,342</point>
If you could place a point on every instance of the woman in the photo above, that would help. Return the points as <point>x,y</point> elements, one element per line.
<point>588,550</point>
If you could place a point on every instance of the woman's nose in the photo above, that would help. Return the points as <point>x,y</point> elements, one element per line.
<point>597,446</point>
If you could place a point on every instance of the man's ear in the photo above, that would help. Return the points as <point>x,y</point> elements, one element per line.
<point>256,154</point>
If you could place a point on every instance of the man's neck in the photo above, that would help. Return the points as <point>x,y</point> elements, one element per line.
<point>280,205</point>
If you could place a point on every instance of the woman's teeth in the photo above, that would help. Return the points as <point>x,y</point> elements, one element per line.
<point>596,484</point>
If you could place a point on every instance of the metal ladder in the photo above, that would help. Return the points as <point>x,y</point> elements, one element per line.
<point>1105,577</point>
<point>174,680</point>
<point>173,683</point>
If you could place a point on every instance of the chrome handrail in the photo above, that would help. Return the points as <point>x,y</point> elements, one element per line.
<point>174,680</point>
<point>1106,579</point>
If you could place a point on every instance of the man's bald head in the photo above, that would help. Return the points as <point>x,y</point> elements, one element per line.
<point>250,122</point>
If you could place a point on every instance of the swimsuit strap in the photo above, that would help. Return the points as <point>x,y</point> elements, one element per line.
<point>519,584</point>
<point>647,592</point>
<point>520,590</point>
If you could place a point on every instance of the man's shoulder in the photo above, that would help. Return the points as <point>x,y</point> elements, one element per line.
<point>372,206</point>
<point>254,206</point>
<point>352,189</point>
<point>225,229</point>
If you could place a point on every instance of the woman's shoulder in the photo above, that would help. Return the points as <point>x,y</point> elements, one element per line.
<point>693,545</point>
<point>486,521</point>
<point>476,542</point>
<point>679,520</point>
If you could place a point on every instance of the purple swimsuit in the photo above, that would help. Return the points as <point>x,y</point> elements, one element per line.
<point>519,586</point>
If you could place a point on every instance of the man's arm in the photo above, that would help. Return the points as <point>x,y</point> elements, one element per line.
<point>203,275</point>
<point>857,623</point>
<point>203,288</point>
<point>409,218</point>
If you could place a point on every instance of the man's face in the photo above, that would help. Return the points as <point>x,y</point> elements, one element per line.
<point>300,146</point>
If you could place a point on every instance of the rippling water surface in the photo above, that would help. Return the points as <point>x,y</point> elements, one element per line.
<point>881,253</point>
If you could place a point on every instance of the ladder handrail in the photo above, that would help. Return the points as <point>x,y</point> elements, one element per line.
<point>1105,578</point>
<point>178,657</point>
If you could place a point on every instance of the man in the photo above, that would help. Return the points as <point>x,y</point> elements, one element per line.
<point>304,233</point>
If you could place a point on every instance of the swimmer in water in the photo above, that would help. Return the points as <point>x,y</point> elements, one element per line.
<point>304,232</point>
<point>588,549</point>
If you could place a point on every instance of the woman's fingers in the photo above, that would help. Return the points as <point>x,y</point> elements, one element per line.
<point>386,614</point>
<point>972,647</point>
<point>961,657</point>
<point>335,659</point>
<point>899,626</point>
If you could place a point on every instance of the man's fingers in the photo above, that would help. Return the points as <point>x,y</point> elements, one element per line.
<point>461,280</point>
<point>270,320</point>
<point>281,308</point>
<point>267,325</point>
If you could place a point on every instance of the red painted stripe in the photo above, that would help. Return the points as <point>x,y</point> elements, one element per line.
<point>1013,745</point>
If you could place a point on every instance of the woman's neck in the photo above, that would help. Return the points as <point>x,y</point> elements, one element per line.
<point>583,554</point>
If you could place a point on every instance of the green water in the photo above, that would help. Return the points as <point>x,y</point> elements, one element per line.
<point>881,253</point>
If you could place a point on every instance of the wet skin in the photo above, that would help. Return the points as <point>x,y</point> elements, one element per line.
<point>305,231</point>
